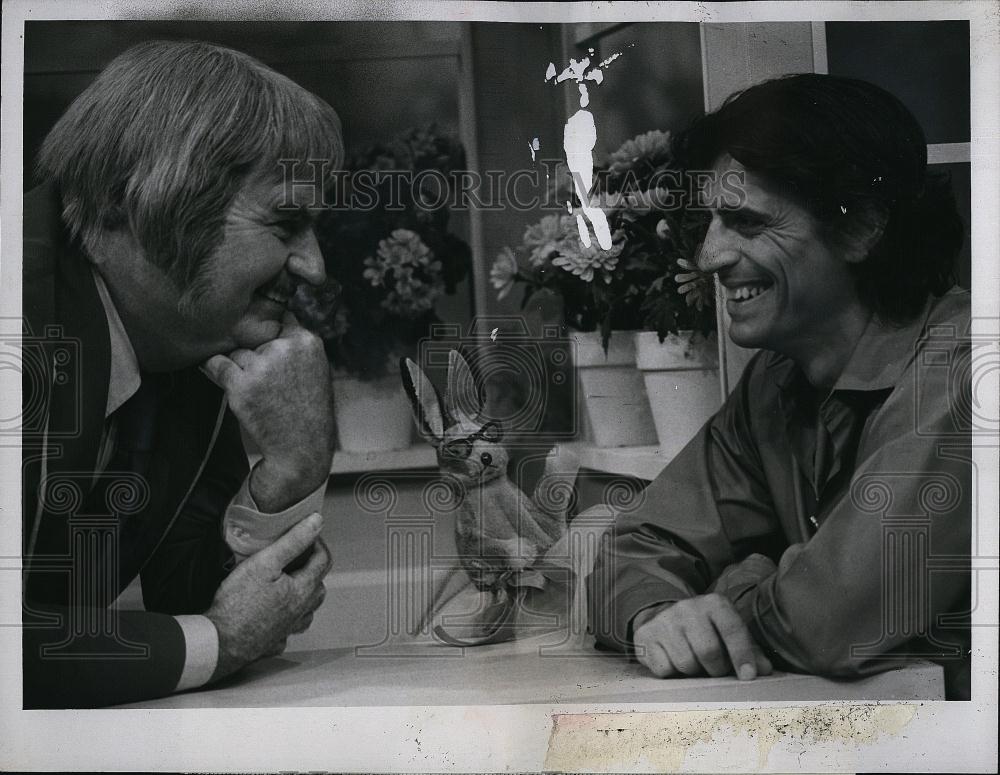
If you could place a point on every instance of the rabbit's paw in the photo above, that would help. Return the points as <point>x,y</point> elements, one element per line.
<point>562,461</point>
<point>554,491</point>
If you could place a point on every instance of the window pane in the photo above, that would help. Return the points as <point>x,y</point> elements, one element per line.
<point>655,84</point>
<point>925,64</point>
<point>961,182</point>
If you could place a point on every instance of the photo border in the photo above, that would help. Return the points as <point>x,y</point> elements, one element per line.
<point>940,736</point>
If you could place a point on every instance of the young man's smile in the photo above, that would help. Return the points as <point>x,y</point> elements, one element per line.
<point>785,287</point>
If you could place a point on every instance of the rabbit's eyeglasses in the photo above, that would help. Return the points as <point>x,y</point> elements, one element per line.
<point>460,449</point>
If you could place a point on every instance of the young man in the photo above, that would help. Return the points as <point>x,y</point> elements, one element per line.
<point>800,528</point>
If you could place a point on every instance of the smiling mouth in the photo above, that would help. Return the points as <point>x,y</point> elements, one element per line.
<point>274,298</point>
<point>746,293</point>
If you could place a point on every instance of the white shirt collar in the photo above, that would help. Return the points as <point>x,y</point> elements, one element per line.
<point>124,377</point>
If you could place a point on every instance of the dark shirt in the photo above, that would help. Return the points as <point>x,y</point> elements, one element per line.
<point>861,496</point>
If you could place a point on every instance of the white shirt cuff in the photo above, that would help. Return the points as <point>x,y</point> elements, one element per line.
<point>247,530</point>
<point>201,651</point>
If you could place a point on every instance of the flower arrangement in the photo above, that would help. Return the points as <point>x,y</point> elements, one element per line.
<point>648,278</point>
<point>386,265</point>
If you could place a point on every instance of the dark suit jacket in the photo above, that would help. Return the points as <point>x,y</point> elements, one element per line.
<point>90,536</point>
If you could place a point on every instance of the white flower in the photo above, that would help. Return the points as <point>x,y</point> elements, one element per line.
<point>395,266</point>
<point>584,262</point>
<point>642,202</point>
<point>653,146</point>
<point>503,273</point>
<point>543,239</point>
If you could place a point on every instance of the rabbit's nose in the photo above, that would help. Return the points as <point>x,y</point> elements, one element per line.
<point>487,458</point>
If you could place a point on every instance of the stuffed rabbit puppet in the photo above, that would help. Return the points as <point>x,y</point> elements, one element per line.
<point>500,533</point>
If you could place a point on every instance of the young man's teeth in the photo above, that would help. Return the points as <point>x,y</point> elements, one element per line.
<point>745,292</point>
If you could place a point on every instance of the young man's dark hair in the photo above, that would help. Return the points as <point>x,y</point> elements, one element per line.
<point>775,538</point>
<point>847,151</point>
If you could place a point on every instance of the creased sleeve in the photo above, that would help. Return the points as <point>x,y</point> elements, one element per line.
<point>889,560</point>
<point>708,509</point>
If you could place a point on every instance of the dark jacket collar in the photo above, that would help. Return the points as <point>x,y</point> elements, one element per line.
<point>880,358</point>
<point>883,354</point>
<point>62,309</point>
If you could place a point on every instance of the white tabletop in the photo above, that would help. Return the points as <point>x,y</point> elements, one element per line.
<point>527,671</point>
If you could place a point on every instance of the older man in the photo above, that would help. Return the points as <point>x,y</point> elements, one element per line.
<point>802,525</point>
<point>161,250</point>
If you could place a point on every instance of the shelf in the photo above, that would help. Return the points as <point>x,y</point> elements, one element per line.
<point>949,153</point>
<point>640,462</point>
<point>417,456</point>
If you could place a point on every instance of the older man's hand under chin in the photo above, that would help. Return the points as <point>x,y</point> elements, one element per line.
<point>702,635</point>
<point>282,395</point>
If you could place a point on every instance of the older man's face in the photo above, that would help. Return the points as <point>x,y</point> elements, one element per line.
<point>785,287</point>
<point>241,291</point>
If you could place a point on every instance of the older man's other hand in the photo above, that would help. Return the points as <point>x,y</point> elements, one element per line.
<point>281,393</point>
<point>259,605</point>
<point>698,636</point>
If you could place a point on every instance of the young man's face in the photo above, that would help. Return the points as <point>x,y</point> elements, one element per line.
<point>241,291</point>
<point>785,287</point>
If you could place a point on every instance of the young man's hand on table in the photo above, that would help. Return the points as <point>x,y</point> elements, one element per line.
<point>701,635</point>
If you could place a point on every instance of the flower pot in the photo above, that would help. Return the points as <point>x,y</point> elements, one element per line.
<point>372,415</point>
<point>681,376</point>
<point>612,390</point>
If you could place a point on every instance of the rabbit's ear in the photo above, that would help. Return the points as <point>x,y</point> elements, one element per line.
<point>461,401</point>
<point>424,400</point>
